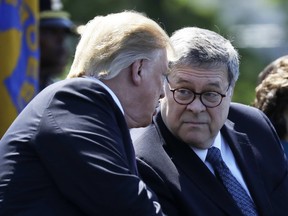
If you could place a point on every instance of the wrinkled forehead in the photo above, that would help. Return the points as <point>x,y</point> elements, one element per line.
<point>219,68</point>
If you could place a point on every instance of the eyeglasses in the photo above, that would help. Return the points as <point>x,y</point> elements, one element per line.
<point>185,96</point>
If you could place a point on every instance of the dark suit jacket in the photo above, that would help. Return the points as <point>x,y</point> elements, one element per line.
<point>185,186</point>
<point>70,153</point>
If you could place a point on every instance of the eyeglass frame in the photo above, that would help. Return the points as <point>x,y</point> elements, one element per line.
<point>195,94</point>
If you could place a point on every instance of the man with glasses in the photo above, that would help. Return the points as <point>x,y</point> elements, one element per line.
<point>204,155</point>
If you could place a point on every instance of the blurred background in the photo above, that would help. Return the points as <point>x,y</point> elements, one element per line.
<point>258,28</point>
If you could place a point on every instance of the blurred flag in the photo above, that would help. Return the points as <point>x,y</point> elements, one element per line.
<point>19,57</point>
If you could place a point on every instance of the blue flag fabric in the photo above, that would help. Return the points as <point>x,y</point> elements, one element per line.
<point>19,57</point>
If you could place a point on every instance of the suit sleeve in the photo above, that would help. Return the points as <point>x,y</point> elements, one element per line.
<point>82,146</point>
<point>158,185</point>
<point>156,168</point>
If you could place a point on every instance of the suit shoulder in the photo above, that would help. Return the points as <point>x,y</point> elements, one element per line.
<point>244,112</point>
<point>149,145</point>
<point>151,155</point>
<point>248,119</point>
<point>242,108</point>
<point>145,138</point>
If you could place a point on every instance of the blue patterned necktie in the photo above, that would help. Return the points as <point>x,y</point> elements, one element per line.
<point>234,188</point>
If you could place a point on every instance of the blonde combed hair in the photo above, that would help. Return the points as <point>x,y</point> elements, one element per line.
<point>113,42</point>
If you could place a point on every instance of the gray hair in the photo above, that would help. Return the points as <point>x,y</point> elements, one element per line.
<point>113,42</point>
<point>201,48</point>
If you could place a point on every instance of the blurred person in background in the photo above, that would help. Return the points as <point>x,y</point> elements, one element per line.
<point>55,30</point>
<point>204,155</point>
<point>69,152</point>
<point>272,96</point>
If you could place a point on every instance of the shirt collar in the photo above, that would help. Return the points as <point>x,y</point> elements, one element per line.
<point>203,152</point>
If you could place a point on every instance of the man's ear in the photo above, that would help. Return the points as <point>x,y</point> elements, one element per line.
<point>136,71</point>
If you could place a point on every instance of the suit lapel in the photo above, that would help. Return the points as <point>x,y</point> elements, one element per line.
<point>190,164</point>
<point>193,167</point>
<point>245,157</point>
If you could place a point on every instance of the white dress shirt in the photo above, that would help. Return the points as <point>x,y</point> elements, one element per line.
<point>227,156</point>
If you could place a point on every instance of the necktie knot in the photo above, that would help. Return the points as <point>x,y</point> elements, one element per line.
<point>214,156</point>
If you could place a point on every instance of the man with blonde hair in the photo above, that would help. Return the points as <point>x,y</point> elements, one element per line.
<point>70,152</point>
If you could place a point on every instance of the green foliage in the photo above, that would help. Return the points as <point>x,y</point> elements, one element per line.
<point>170,14</point>
<point>250,67</point>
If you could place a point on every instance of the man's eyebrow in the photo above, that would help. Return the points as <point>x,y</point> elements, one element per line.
<point>181,80</point>
<point>214,84</point>
<point>209,84</point>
